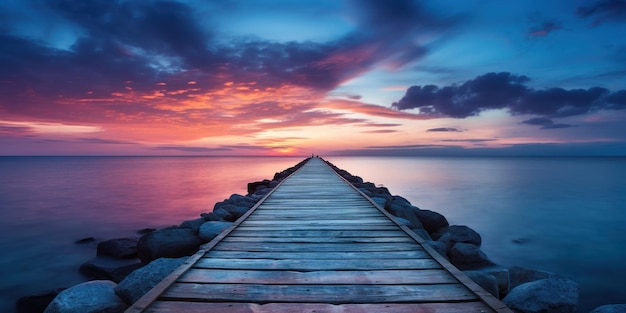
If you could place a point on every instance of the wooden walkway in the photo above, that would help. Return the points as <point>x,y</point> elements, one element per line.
<point>316,244</point>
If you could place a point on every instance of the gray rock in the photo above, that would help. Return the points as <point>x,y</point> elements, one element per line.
<point>142,280</point>
<point>486,281</point>
<point>446,239</point>
<point>382,202</point>
<point>439,247</point>
<point>467,256</point>
<point>210,230</point>
<point>96,296</point>
<point>403,221</point>
<point>520,275</point>
<point>464,234</point>
<point>211,217</point>
<point>122,248</point>
<point>365,191</point>
<point>170,242</point>
<point>235,211</point>
<point>610,308</point>
<point>402,208</point>
<point>502,277</point>
<point>432,221</point>
<point>240,200</point>
<point>555,295</point>
<point>193,224</point>
<point>225,215</point>
<point>109,268</point>
<point>422,233</point>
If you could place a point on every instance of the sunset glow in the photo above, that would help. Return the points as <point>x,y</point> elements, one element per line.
<point>324,77</point>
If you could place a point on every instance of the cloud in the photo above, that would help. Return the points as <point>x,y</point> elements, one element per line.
<point>544,28</point>
<point>444,129</point>
<point>604,11</point>
<point>545,123</point>
<point>468,140</point>
<point>190,148</point>
<point>506,91</point>
<point>380,131</point>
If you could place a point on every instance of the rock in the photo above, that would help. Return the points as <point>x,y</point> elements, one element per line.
<point>439,247</point>
<point>432,221</point>
<point>210,230</point>
<point>502,278</point>
<point>193,224</point>
<point>610,308</point>
<point>365,191</point>
<point>422,233</point>
<point>464,234</point>
<point>253,186</point>
<point>146,231</point>
<point>402,208</point>
<point>96,296</point>
<point>85,240</point>
<point>235,211</point>
<point>446,239</point>
<point>36,303</point>
<point>520,275</point>
<point>108,268</point>
<point>122,248</point>
<point>467,256</point>
<point>555,295</point>
<point>225,215</point>
<point>403,221</point>
<point>211,217</point>
<point>486,281</point>
<point>240,200</point>
<point>382,202</point>
<point>142,280</point>
<point>170,242</point>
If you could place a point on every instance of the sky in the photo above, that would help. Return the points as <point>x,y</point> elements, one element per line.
<point>329,77</point>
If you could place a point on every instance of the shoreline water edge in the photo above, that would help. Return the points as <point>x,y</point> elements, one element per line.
<point>124,269</point>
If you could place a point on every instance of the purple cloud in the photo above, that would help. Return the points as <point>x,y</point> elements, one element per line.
<point>507,91</point>
<point>545,123</point>
<point>444,129</point>
<point>544,28</point>
<point>604,11</point>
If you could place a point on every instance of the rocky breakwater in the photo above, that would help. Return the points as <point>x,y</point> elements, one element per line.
<point>124,269</point>
<point>521,289</point>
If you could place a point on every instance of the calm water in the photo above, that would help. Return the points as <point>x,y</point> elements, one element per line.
<point>570,212</point>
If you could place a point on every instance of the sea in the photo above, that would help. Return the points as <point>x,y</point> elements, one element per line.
<point>559,214</point>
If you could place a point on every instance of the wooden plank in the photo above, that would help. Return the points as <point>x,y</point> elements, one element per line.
<point>335,294</point>
<point>240,232</point>
<point>320,247</point>
<point>359,222</point>
<point>318,227</point>
<point>317,264</point>
<point>234,307</point>
<point>308,239</point>
<point>382,277</point>
<point>382,256</point>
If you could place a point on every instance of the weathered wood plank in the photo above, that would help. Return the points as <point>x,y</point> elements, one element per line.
<point>363,222</point>
<point>383,277</point>
<point>381,240</point>
<point>320,247</point>
<point>336,294</point>
<point>240,232</point>
<point>234,307</point>
<point>382,256</point>
<point>318,227</point>
<point>317,264</point>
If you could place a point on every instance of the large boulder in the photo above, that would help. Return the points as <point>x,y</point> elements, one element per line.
<point>235,210</point>
<point>193,224</point>
<point>254,186</point>
<point>422,233</point>
<point>521,275</point>
<point>467,256</point>
<point>402,208</point>
<point>610,308</point>
<point>223,214</point>
<point>432,221</point>
<point>486,281</point>
<point>142,280</point>
<point>172,242</point>
<point>382,202</point>
<point>438,247</point>
<point>555,295</point>
<point>210,230</point>
<point>109,268</point>
<point>36,303</point>
<point>240,200</point>
<point>121,248</point>
<point>96,296</point>
<point>464,234</point>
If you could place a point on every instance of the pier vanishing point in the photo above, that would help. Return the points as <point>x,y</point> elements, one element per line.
<point>317,244</point>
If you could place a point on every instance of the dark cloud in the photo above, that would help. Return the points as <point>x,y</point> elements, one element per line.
<point>107,141</point>
<point>603,11</point>
<point>468,140</point>
<point>380,131</point>
<point>401,147</point>
<point>506,91</point>
<point>544,28</point>
<point>545,123</point>
<point>444,129</point>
